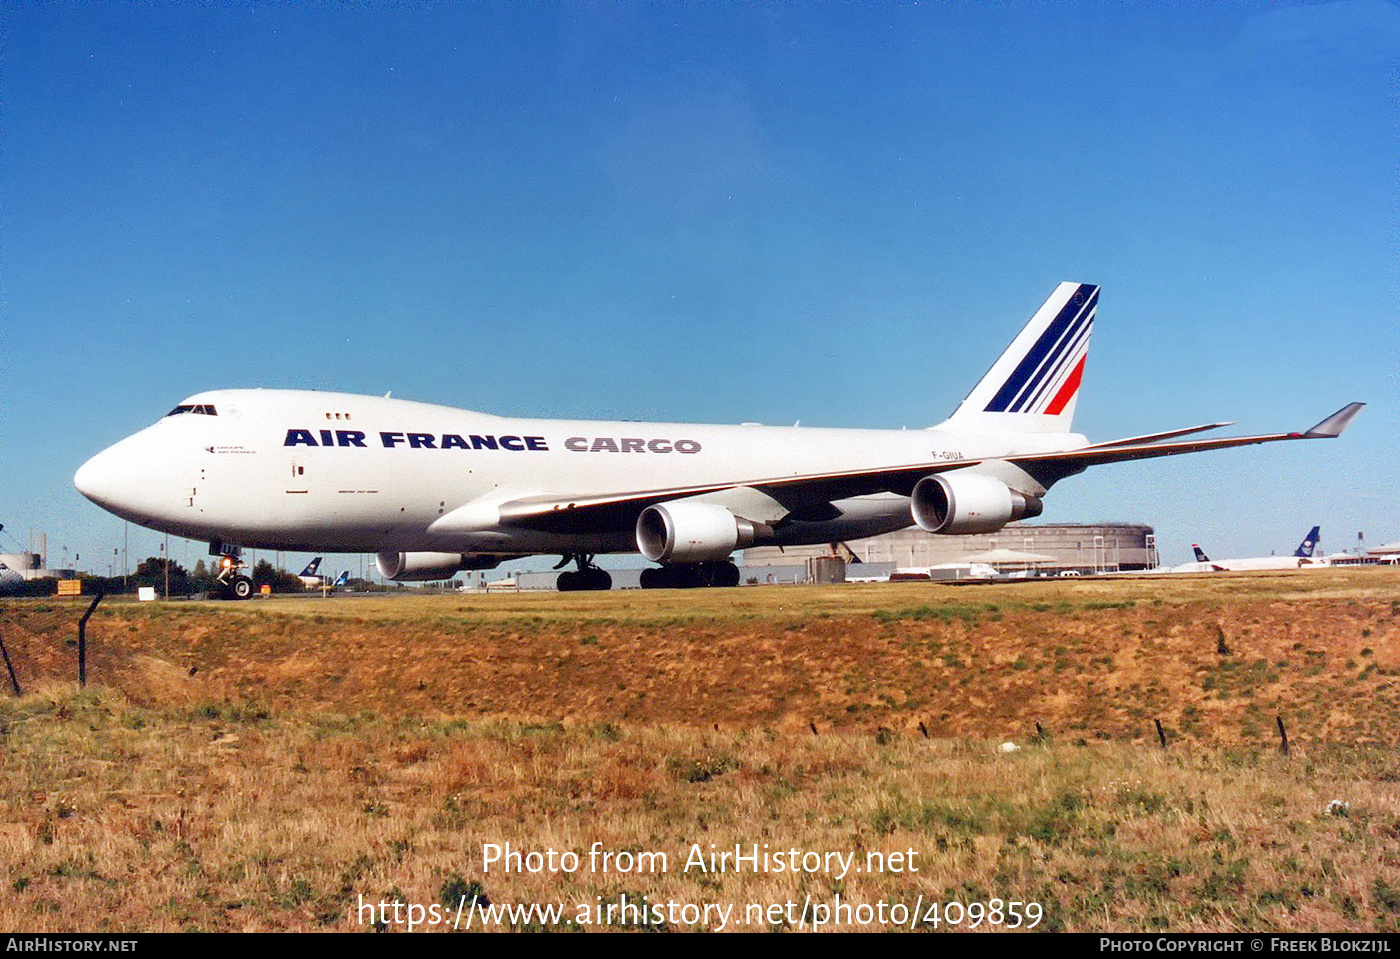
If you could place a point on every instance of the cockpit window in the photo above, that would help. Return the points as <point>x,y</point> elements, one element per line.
<point>203,408</point>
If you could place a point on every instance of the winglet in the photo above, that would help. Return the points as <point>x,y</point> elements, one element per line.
<point>1334,424</point>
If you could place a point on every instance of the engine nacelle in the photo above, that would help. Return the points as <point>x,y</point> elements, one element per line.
<point>426,567</point>
<point>686,532</point>
<point>968,503</point>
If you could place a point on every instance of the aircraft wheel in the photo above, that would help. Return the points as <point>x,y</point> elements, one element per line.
<point>242,587</point>
<point>597,579</point>
<point>567,582</point>
<point>663,577</point>
<point>722,574</point>
<point>688,575</point>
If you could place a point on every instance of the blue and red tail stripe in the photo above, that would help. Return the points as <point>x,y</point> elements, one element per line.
<point>1048,375</point>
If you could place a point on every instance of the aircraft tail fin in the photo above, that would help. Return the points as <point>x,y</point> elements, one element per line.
<point>344,579</point>
<point>1309,543</point>
<point>1033,387</point>
<point>311,567</point>
<point>1201,556</point>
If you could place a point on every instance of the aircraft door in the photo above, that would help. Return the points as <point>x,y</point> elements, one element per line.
<point>209,486</point>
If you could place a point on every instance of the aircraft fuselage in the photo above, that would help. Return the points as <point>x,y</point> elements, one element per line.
<point>302,470</point>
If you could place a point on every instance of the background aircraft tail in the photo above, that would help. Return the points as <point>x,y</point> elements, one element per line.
<point>1033,387</point>
<point>1201,556</point>
<point>1309,543</point>
<point>311,567</point>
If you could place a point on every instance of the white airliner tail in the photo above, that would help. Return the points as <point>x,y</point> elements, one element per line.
<point>1034,386</point>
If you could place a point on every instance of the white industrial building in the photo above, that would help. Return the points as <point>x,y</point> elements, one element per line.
<point>33,563</point>
<point>1082,547</point>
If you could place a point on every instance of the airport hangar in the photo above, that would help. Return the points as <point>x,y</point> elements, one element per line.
<point>1081,547</point>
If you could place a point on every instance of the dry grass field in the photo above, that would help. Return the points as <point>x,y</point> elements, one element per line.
<point>308,763</point>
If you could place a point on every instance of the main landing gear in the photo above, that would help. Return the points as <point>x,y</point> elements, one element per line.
<point>588,577</point>
<point>690,575</point>
<point>231,583</point>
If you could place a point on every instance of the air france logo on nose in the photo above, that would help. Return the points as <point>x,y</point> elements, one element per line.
<point>389,439</point>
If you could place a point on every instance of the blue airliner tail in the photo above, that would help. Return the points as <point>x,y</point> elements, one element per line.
<point>1309,543</point>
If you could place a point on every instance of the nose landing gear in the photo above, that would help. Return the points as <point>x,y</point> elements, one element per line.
<point>231,583</point>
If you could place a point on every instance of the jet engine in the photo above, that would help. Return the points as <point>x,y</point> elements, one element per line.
<point>425,567</point>
<point>689,532</point>
<point>968,503</point>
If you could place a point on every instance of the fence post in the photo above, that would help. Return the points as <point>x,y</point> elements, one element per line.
<point>13,681</point>
<point>82,640</point>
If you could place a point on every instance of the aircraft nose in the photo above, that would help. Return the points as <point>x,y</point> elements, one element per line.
<point>98,479</point>
<point>143,479</point>
<point>123,479</point>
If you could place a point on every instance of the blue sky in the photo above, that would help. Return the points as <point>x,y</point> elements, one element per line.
<point>836,213</point>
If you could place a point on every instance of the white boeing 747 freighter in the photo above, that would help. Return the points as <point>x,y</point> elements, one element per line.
<point>433,490</point>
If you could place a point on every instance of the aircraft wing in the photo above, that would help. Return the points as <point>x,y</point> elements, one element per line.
<point>1153,437</point>
<point>1059,465</point>
<point>565,513</point>
<point>556,513</point>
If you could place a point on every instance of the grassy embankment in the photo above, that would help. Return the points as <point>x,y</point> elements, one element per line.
<point>264,765</point>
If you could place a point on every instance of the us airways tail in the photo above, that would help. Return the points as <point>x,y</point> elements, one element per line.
<point>1033,387</point>
<point>1201,556</point>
